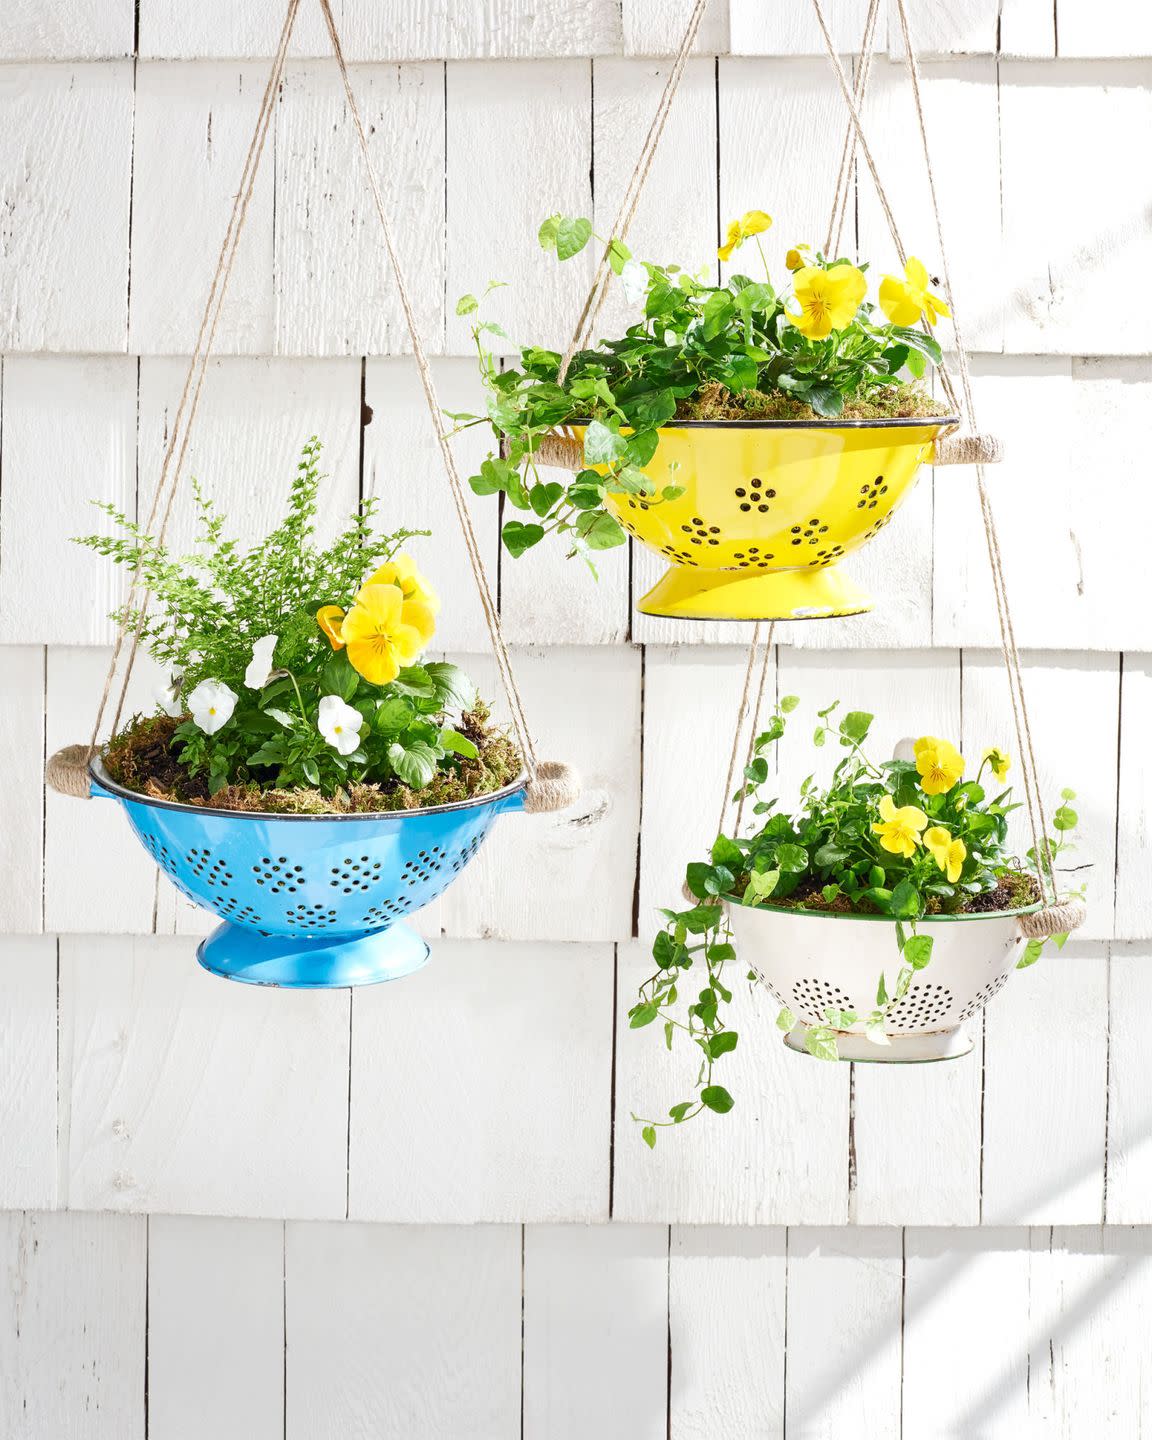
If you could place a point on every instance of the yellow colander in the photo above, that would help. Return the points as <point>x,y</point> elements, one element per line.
<point>769,508</point>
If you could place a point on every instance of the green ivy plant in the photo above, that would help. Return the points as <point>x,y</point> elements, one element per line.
<point>840,851</point>
<point>811,343</point>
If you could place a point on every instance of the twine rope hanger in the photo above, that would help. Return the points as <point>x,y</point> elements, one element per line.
<point>551,785</point>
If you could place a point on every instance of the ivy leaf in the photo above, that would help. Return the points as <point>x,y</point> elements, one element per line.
<point>722,1043</point>
<point>649,1136</point>
<point>571,236</point>
<point>717,1098</point>
<point>678,1112</point>
<point>599,530</point>
<point>785,1020</point>
<point>727,852</point>
<point>518,537</point>
<point>543,498</point>
<point>792,859</point>
<point>906,902</point>
<point>1032,953</point>
<point>466,304</point>
<point>855,725</point>
<point>761,885</point>
<point>918,950</point>
<point>601,445</point>
<point>820,1041</point>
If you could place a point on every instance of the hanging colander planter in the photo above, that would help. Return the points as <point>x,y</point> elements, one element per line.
<point>813,963</point>
<point>310,901</point>
<point>768,510</point>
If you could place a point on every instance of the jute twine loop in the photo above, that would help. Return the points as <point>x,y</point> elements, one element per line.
<point>67,771</point>
<point>555,787</point>
<point>1060,918</point>
<point>967,449</point>
<point>560,451</point>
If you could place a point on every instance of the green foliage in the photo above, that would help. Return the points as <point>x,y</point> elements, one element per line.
<point>830,854</point>
<point>694,338</point>
<point>209,609</point>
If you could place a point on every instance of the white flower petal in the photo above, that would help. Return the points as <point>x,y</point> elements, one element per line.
<point>634,278</point>
<point>168,697</point>
<point>256,676</point>
<point>212,704</point>
<point>339,724</point>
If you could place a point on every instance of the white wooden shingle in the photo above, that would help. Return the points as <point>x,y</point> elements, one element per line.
<point>180,1092</point>
<point>209,1280</point>
<point>595,1304</point>
<point>22,783</point>
<point>72,1337</point>
<point>519,148</point>
<point>66,163</point>
<point>411,1330</point>
<point>1134,833</point>
<point>656,27</point>
<point>194,124</point>
<point>1128,1198</point>
<point>28,1072</point>
<point>447,1032</point>
<point>335,290</point>
<point>69,440</point>
<point>85,30</point>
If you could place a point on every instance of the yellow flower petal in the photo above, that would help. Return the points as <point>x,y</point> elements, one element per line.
<point>940,766</point>
<point>731,242</point>
<point>329,618</point>
<point>898,302</point>
<point>916,274</point>
<point>401,570</point>
<point>753,222</point>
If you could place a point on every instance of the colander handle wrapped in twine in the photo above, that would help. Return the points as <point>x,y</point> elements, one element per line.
<point>551,785</point>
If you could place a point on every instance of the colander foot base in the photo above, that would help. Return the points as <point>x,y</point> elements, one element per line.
<point>903,1049</point>
<point>237,953</point>
<point>684,593</point>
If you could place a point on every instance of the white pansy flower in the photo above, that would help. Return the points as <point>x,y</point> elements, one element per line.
<point>282,715</point>
<point>634,278</point>
<point>339,724</point>
<point>260,666</point>
<point>168,697</point>
<point>212,704</point>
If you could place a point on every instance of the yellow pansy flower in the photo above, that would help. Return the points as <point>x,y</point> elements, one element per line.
<point>949,854</point>
<point>828,299</point>
<point>904,301</point>
<point>940,765</point>
<point>1000,762</point>
<point>384,632</point>
<point>795,257</point>
<point>330,618</point>
<point>899,828</point>
<point>401,570</point>
<point>753,222</point>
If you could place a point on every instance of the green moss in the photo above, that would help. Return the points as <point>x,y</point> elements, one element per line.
<point>1015,890</point>
<point>141,758</point>
<point>885,402</point>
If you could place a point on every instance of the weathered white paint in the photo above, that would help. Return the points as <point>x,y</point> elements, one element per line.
<point>1128,1199</point>
<point>595,1331</point>
<point>193,127</point>
<point>54,468</point>
<point>457,1041</point>
<point>502,182</point>
<point>72,1326</point>
<point>66,163</point>
<point>1043,1157</point>
<point>22,783</point>
<point>28,1072</point>
<point>413,1331</point>
<point>164,1073</point>
<point>656,27</point>
<point>727,1328</point>
<point>215,1329</point>
<point>1134,838</point>
<point>335,291</point>
<point>793,30</point>
<point>85,30</point>
<point>966,1339</point>
<point>844,1313</point>
<point>1061,280</point>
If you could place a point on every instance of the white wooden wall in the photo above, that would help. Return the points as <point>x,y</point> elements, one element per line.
<point>234,1213</point>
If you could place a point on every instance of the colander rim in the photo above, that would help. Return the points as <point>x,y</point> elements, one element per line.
<point>887,919</point>
<point>104,780</point>
<point>895,422</point>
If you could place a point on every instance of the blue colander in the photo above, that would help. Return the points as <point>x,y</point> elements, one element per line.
<point>310,901</point>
